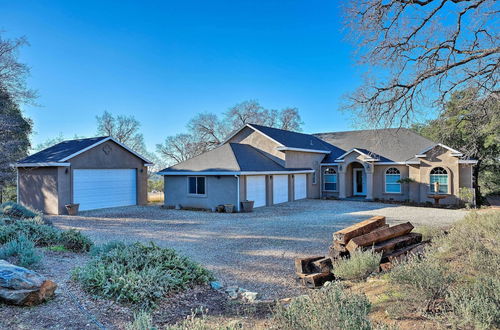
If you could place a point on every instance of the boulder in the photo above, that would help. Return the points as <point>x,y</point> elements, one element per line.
<point>21,286</point>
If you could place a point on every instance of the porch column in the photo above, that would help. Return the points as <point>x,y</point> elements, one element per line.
<point>369,169</point>
<point>341,182</point>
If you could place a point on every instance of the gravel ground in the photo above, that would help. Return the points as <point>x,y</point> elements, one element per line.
<point>250,250</point>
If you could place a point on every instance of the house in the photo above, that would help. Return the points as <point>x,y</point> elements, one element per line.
<point>95,173</point>
<point>272,166</point>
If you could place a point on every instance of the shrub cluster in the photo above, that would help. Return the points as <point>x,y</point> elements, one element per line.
<point>22,250</point>
<point>11,212</point>
<point>359,266</point>
<point>331,307</point>
<point>138,274</point>
<point>45,235</point>
<point>460,271</point>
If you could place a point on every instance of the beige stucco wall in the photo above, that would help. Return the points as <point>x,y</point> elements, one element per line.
<point>38,188</point>
<point>110,155</point>
<point>379,183</point>
<point>465,175</point>
<point>261,142</point>
<point>298,159</point>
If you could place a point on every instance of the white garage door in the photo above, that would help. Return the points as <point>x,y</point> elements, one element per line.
<point>280,189</point>
<point>256,190</point>
<point>300,186</point>
<point>97,189</point>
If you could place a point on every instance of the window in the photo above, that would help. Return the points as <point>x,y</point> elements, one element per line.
<point>439,174</point>
<point>196,185</point>
<point>314,177</point>
<point>330,179</point>
<point>392,176</point>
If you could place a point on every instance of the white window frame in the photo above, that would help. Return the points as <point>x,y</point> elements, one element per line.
<point>205,185</point>
<point>431,184</point>
<point>336,181</point>
<point>385,181</point>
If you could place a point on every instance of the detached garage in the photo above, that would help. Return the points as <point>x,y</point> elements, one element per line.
<point>95,173</point>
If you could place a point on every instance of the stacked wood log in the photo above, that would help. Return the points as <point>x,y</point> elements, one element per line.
<point>394,243</point>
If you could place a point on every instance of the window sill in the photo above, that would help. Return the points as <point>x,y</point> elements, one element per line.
<point>197,196</point>
<point>392,193</point>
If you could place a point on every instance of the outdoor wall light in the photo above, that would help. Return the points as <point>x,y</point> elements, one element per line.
<point>66,171</point>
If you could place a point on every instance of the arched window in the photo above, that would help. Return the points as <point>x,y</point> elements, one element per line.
<point>330,179</point>
<point>439,174</point>
<point>392,177</point>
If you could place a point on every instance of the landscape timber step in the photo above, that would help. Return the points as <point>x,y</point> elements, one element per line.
<point>345,235</point>
<point>402,253</point>
<point>324,265</point>
<point>303,265</point>
<point>339,246</point>
<point>336,254</point>
<point>317,280</point>
<point>396,243</point>
<point>379,236</point>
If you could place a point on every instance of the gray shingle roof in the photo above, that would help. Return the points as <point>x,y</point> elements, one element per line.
<point>230,157</point>
<point>60,151</point>
<point>392,144</point>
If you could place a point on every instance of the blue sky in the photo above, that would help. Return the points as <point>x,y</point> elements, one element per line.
<point>165,61</point>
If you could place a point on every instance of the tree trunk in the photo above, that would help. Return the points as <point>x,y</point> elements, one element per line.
<point>475,184</point>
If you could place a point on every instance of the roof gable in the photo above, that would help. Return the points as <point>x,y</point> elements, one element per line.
<point>292,139</point>
<point>64,151</point>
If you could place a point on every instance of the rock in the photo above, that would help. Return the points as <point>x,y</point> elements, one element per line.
<point>249,296</point>
<point>21,286</point>
<point>216,285</point>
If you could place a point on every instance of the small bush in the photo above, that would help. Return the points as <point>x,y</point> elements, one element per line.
<point>329,308</point>
<point>17,211</point>
<point>359,266</point>
<point>198,321</point>
<point>139,274</point>
<point>96,250</point>
<point>142,321</point>
<point>41,235</point>
<point>429,232</point>
<point>75,241</point>
<point>477,304</point>
<point>429,277</point>
<point>57,248</point>
<point>22,250</point>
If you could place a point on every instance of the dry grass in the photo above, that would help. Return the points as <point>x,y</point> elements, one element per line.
<point>156,198</point>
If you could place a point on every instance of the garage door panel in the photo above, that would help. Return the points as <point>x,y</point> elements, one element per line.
<point>280,189</point>
<point>300,186</point>
<point>94,189</point>
<point>256,190</point>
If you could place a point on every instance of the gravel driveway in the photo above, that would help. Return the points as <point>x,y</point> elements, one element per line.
<point>251,250</point>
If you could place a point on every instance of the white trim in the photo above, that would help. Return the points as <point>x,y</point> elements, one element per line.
<point>399,183</point>
<point>371,160</point>
<point>421,156</point>
<point>468,161</point>
<point>454,152</point>
<point>42,164</point>
<point>368,158</point>
<point>412,163</point>
<point>149,164</point>
<point>237,192</point>
<point>109,138</point>
<point>323,181</point>
<point>303,150</point>
<point>267,136</point>
<point>329,164</point>
<point>339,160</point>
<point>391,163</point>
<point>192,173</point>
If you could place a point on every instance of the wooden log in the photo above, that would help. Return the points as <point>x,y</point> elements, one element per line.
<point>379,236</point>
<point>324,265</point>
<point>396,243</point>
<point>380,228</point>
<point>317,280</point>
<point>303,265</point>
<point>339,246</point>
<point>336,254</point>
<point>403,253</point>
<point>343,236</point>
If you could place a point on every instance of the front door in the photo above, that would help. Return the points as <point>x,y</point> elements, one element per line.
<point>359,182</point>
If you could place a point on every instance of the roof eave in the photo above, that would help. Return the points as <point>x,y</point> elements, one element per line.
<point>43,164</point>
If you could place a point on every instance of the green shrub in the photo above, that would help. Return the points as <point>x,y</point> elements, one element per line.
<point>198,321</point>
<point>142,321</point>
<point>17,211</point>
<point>331,307</point>
<point>429,277</point>
<point>139,274</point>
<point>96,250</point>
<point>41,235</point>
<point>429,232</point>
<point>22,249</point>
<point>57,248</point>
<point>477,304</point>
<point>359,266</point>
<point>75,241</point>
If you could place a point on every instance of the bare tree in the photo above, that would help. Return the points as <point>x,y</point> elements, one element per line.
<point>13,73</point>
<point>248,112</point>
<point>179,148</point>
<point>289,119</point>
<point>422,51</point>
<point>125,129</point>
<point>208,130</point>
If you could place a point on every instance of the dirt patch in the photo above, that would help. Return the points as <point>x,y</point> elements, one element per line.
<point>72,308</point>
